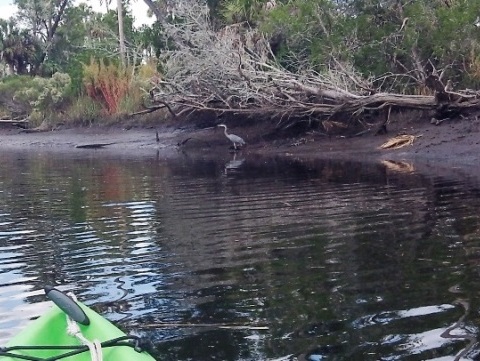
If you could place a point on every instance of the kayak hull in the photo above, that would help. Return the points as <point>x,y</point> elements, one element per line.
<point>50,329</point>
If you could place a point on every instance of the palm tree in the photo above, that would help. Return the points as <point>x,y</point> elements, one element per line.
<point>19,49</point>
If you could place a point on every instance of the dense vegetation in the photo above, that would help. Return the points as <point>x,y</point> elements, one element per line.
<point>61,59</point>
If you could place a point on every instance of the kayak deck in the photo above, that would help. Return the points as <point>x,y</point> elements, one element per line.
<point>50,329</point>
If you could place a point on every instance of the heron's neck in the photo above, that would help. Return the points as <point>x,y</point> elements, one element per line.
<point>225,131</point>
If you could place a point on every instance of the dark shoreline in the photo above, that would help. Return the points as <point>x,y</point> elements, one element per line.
<point>453,145</point>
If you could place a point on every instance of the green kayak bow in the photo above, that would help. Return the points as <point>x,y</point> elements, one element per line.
<point>73,332</point>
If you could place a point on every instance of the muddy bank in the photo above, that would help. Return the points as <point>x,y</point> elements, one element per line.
<point>453,144</point>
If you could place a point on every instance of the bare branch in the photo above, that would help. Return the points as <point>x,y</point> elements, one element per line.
<point>234,71</point>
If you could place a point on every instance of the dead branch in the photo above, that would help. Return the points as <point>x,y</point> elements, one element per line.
<point>234,71</point>
<point>15,121</point>
<point>148,110</point>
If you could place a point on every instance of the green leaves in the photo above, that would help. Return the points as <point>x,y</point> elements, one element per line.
<point>44,94</point>
<point>407,39</point>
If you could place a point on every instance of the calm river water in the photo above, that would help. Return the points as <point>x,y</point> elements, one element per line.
<point>311,260</point>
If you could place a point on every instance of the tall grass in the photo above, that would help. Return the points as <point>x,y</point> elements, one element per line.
<point>120,89</point>
<point>83,111</point>
<point>107,83</point>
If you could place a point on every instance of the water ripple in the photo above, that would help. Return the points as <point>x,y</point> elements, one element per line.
<point>341,261</point>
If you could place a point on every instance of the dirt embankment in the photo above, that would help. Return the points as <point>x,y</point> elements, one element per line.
<point>450,144</point>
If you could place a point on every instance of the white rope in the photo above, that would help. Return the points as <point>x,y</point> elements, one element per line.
<point>73,329</point>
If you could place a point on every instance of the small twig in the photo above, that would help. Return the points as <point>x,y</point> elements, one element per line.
<point>149,110</point>
<point>214,325</point>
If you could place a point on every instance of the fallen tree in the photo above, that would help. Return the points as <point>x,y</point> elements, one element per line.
<point>234,71</point>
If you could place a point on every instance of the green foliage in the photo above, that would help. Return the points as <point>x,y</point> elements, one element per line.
<point>69,50</point>
<point>313,31</point>
<point>135,97</point>
<point>19,49</point>
<point>110,21</point>
<point>44,95</point>
<point>236,11</point>
<point>408,39</point>
<point>152,38</point>
<point>42,21</point>
<point>105,39</point>
<point>132,102</point>
<point>74,68</point>
<point>84,111</point>
<point>8,87</point>
<point>51,36</point>
<point>14,83</point>
<point>36,118</point>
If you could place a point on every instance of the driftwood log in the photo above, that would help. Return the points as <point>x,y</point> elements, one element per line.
<point>22,123</point>
<point>93,145</point>
<point>234,71</point>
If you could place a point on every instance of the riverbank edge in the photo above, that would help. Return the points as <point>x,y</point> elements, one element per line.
<point>454,144</point>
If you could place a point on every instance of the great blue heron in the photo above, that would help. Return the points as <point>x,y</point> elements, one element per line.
<point>235,139</point>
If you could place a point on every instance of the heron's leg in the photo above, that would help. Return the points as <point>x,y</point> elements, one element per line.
<point>234,145</point>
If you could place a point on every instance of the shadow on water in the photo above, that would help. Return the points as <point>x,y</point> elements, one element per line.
<point>245,258</point>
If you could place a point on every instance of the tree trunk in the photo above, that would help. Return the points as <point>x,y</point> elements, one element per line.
<point>155,10</point>
<point>121,33</point>
<point>51,31</point>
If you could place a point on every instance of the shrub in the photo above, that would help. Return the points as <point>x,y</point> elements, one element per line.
<point>107,83</point>
<point>13,83</point>
<point>44,95</point>
<point>84,111</point>
<point>9,86</point>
